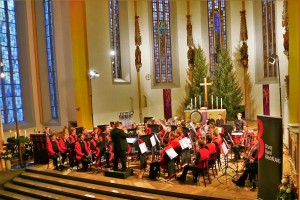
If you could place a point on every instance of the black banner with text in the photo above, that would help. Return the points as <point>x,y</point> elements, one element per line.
<point>269,156</point>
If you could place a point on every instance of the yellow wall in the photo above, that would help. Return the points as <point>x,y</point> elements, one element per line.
<point>293,9</point>
<point>80,63</point>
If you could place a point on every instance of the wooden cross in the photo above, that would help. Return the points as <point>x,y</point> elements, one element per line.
<point>205,84</point>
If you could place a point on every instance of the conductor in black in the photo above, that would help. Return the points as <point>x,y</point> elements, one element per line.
<point>120,145</point>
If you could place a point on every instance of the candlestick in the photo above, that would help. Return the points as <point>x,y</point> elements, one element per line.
<point>221,102</point>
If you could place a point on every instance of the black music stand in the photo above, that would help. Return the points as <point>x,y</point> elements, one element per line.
<point>226,166</point>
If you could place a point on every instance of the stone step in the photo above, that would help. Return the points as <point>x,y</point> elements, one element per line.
<point>33,193</point>
<point>89,187</point>
<point>4,194</point>
<point>146,190</point>
<point>57,189</point>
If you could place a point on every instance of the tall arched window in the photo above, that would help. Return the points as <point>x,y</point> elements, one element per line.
<point>216,31</point>
<point>11,102</point>
<point>269,39</point>
<point>115,39</point>
<point>51,57</point>
<point>162,41</point>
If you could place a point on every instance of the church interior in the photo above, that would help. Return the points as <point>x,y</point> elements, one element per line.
<point>90,63</point>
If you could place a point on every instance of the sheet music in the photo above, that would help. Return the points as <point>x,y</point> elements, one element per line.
<point>152,140</point>
<point>225,150</point>
<point>183,143</point>
<point>189,142</point>
<point>171,153</point>
<point>143,147</point>
<point>157,140</point>
<point>131,140</point>
<point>192,126</point>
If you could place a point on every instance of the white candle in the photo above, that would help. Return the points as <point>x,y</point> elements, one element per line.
<point>25,133</point>
<point>195,102</point>
<point>212,101</point>
<point>9,133</point>
<point>217,102</point>
<point>15,134</point>
<point>221,102</point>
<point>200,101</point>
<point>192,102</point>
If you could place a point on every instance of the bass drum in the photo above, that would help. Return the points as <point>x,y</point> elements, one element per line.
<point>196,117</point>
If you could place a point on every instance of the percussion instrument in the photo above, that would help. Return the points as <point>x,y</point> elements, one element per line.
<point>236,137</point>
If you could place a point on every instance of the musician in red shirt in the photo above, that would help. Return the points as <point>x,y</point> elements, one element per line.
<point>53,150</point>
<point>83,152</point>
<point>95,149</point>
<point>201,155</point>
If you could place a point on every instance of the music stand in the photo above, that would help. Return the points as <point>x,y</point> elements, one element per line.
<point>225,151</point>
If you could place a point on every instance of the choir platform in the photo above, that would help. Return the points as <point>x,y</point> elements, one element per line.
<point>42,182</point>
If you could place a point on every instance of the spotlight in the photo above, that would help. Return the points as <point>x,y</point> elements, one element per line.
<point>93,74</point>
<point>271,60</point>
<point>2,75</point>
<point>112,52</point>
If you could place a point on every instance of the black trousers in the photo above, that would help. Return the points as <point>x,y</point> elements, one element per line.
<point>120,155</point>
<point>251,170</point>
<point>54,158</point>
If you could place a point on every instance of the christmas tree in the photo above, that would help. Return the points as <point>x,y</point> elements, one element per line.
<point>196,73</point>
<point>225,85</point>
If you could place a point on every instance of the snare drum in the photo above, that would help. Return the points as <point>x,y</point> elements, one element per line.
<point>236,137</point>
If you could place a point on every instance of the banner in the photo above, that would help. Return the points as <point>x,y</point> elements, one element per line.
<point>269,156</point>
<point>167,104</point>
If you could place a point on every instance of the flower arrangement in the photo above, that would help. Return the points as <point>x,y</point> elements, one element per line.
<point>6,155</point>
<point>287,189</point>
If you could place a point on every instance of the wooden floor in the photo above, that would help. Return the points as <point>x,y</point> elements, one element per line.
<point>217,189</point>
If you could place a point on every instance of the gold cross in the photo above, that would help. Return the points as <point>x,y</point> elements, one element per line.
<point>205,84</point>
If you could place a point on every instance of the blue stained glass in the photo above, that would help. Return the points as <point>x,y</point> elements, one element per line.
<point>162,41</point>
<point>49,30</point>
<point>115,38</point>
<point>10,116</point>
<point>9,102</point>
<point>8,91</point>
<point>20,114</point>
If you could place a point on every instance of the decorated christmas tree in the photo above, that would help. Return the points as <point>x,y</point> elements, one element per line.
<point>196,74</point>
<point>225,85</point>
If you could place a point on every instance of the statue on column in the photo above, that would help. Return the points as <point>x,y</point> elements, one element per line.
<point>191,55</point>
<point>244,54</point>
<point>138,57</point>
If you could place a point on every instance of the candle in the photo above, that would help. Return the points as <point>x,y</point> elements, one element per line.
<point>217,102</point>
<point>200,101</point>
<point>25,133</point>
<point>195,102</point>
<point>212,102</point>
<point>221,102</point>
<point>192,102</point>
<point>15,134</point>
<point>9,133</point>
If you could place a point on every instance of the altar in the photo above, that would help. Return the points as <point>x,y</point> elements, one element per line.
<point>201,115</point>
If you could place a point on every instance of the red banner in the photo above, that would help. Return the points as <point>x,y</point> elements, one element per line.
<point>167,104</point>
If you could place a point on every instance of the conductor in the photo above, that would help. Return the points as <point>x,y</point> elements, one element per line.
<point>120,146</point>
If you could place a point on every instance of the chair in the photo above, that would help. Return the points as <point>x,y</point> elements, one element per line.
<point>203,170</point>
<point>212,163</point>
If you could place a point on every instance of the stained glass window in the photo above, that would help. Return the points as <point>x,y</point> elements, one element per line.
<point>216,31</point>
<point>269,40</point>
<point>162,41</point>
<point>51,57</point>
<point>115,39</point>
<point>11,103</point>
